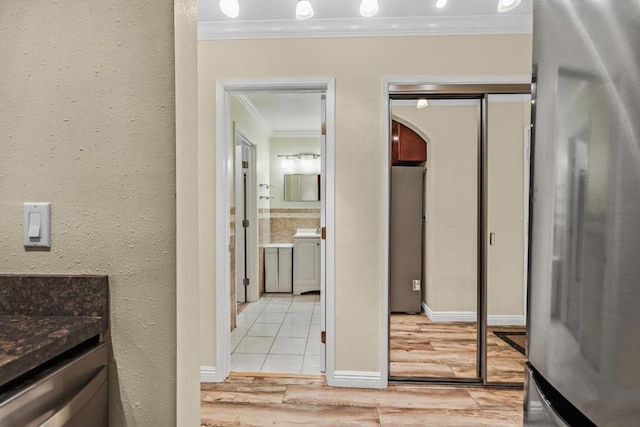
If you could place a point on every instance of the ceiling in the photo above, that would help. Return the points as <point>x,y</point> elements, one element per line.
<point>276,18</point>
<point>285,114</point>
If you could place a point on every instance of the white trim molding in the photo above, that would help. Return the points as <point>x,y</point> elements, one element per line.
<point>253,112</point>
<point>358,379</point>
<point>449,316</point>
<point>506,320</point>
<point>296,134</point>
<point>223,218</point>
<point>472,316</point>
<point>357,27</point>
<point>209,374</point>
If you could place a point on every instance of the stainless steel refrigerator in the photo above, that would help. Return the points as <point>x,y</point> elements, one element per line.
<point>584,283</point>
<point>405,242</point>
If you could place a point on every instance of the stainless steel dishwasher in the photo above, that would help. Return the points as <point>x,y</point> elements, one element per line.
<point>70,392</point>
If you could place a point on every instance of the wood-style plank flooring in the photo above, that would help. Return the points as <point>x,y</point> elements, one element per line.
<point>246,400</point>
<point>422,348</point>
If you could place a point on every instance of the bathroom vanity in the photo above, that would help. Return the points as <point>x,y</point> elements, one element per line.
<point>306,261</point>
<point>278,263</point>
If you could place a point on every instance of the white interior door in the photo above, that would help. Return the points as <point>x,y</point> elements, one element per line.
<point>323,218</point>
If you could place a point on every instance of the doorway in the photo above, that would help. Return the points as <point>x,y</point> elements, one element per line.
<point>281,156</point>
<point>471,297</point>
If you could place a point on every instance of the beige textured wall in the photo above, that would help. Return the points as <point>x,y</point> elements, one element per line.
<point>88,124</point>
<point>358,64</point>
<point>451,203</point>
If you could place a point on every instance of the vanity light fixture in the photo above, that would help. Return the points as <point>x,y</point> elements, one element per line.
<point>231,8</point>
<point>422,103</point>
<point>287,164</point>
<point>507,5</point>
<point>441,3</point>
<point>299,156</point>
<point>304,10</point>
<point>369,8</point>
<point>300,163</point>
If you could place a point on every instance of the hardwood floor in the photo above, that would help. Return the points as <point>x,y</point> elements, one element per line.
<point>245,400</point>
<point>422,348</point>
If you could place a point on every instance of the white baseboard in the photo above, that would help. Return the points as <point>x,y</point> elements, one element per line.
<point>208,374</point>
<point>506,320</point>
<point>471,316</point>
<point>357,379</point>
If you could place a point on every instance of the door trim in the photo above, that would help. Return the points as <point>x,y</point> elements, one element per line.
<point>224,88</point>
<point>413,85</point>
<point>252,255</point>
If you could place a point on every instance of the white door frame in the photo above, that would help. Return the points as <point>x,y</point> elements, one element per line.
<point>386,191</point>
<point>253,291</point>
<point>224,171</point>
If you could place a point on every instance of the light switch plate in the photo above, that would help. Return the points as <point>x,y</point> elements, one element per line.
<point>416,285</point>
<point>37,225</point>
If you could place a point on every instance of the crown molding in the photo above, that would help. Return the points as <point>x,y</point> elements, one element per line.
<point>253,112</point>
<point>295,134</point>
<point>358,27</point>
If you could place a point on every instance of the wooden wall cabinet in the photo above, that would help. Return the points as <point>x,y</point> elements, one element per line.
<point>407,147</point>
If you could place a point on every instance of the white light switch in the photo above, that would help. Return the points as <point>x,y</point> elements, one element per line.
<point>37,225</point>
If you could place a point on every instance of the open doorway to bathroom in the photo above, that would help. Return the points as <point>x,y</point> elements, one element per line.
<point>276,305</point>
<point>457,296</point>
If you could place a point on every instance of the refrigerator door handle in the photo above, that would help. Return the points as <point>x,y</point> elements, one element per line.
<point>557,419</point>
<point>62,415</point>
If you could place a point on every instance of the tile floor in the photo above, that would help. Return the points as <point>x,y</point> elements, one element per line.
<point>278,334</point>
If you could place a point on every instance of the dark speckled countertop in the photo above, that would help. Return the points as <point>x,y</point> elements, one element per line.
<point>41,317</point>
<point>28,341</point>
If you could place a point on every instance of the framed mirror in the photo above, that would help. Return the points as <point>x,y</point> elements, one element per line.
<point>301,187</point>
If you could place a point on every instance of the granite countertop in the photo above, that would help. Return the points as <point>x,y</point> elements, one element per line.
<point>43,316</point>
<point>28,341</point>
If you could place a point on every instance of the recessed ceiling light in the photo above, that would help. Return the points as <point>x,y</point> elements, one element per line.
<point>507,5</point>
<point>231,8</point>
<point>369,8</point>
<point>441,3</point>
<point>422,103</point>
<point>304,10</point>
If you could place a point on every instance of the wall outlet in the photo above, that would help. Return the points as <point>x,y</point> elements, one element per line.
<point>416,285</point>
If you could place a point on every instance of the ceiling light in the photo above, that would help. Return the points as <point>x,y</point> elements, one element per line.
<point>369,8</point>
<point>231,8</point>
<point>422,103</point>
<point>441,3</point>
<point>304,10</point>
<point>507,5</point>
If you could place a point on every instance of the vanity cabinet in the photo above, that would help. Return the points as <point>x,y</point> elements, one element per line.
<point>277,267</point>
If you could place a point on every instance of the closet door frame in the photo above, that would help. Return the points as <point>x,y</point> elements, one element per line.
<point>394,91</point>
